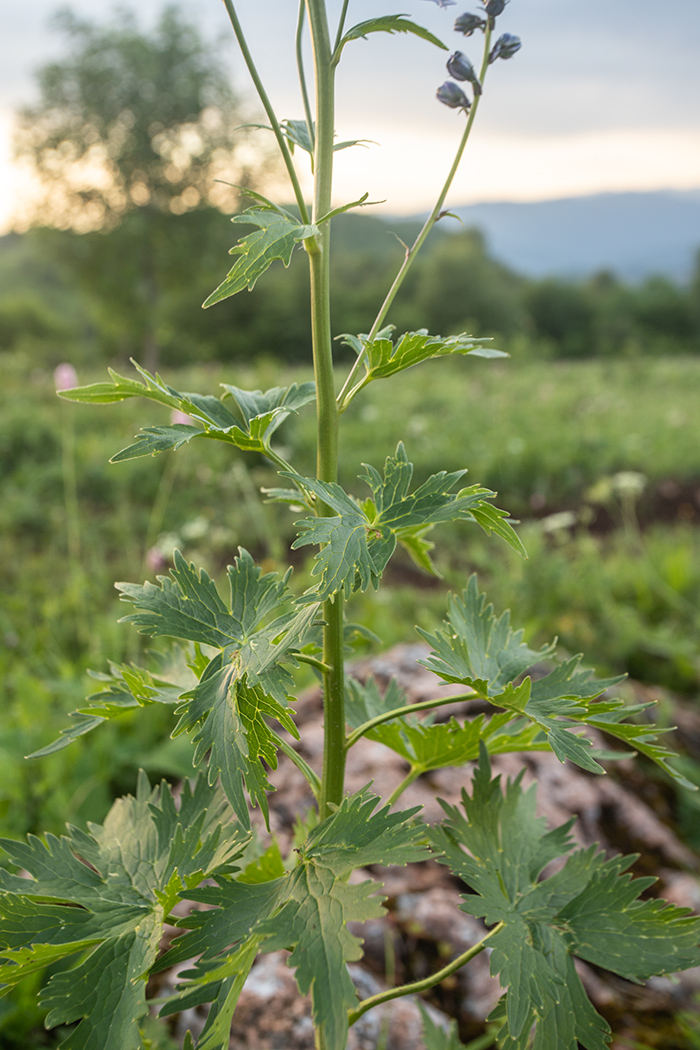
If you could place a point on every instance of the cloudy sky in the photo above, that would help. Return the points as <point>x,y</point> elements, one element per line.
<point>603,95</point>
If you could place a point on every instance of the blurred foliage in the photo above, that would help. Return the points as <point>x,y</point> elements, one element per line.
<point>85,297</point>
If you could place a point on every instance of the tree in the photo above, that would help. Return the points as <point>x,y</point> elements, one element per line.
<point>131,131</point>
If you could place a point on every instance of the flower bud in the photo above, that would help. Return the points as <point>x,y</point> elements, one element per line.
<point>452,95</point>
<point>505,47</point>
<point>494,8</point>
<point>459,67</point>
<point>468,23</point>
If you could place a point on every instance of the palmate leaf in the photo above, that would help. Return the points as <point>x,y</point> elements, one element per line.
<point>386,24</point>
<point>426,745</point>
<point>477,649</point>
<point>248,425</point>
<point>108,892</point>
<point>384,358</point>
<point>305,911</point>
<point>277,236</point>
<point>358,542</point>
<point>124,688</point>
<point>588,909</point>
<point>245,683</point>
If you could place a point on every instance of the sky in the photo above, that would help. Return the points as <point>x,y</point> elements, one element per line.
<point>603,96</point>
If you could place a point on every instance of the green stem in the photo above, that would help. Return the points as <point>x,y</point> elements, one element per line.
<point>300,69</point>
<point>344,397</point>
<point>313,779</point>
<point>341,25</point>
<point>405,783</point>
<point>398,712</point>
<point>426,983</point>
<point>304,658</point>
<point>267,106</point>
<point>333,778</point>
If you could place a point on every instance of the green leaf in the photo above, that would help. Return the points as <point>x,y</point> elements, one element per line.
<point>386,24</point>
<point>125,688</point>
<point>499,847</point>
<point>384,358</point>
<point>255,418</point>
<point>306,910</point>
<point>109,890</point>
<point>357,544</point>
<point>245,684</point>
<point>296,133</point>
<point>481,651</point>
<point>276,238</point>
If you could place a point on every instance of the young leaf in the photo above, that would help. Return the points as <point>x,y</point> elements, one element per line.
<point>437,1038</point>
<point>384,358</point>
<point>276,238</point>
<point>296,133</point>
<point>386,24</point>
<point>589,909</point>
<point>110,891</point>
<point>357,544</point>
<point>481,651</point>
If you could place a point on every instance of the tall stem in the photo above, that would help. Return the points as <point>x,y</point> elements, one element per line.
<point>347,392</point>
<point>333,777</point>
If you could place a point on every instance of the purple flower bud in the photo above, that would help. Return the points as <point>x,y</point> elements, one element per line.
<point>452,95</point>
<point>468,23</point>
<point>505,47</point>
<point>65,377</point>
<point>494,8</point>
<point>459,67</point>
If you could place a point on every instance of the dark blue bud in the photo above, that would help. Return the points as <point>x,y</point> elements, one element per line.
<point>468,23</point>
<point>505,47</point>
<point>452,95</point>
<point>459,67</point>
<point>494,8</point>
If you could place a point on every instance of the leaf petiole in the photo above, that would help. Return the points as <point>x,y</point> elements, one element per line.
<point>313,779</point>
<point>398,712</point>
<point>428,982</point>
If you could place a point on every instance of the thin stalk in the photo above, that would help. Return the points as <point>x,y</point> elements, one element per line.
<point>313,779</point>
<point>333,777</point>
<point>267,106</point>
<point>341,25</point>
<point>405,783</point>
<point>300,69</point>
<point>344,397</point>
<point>304,658</point>
<point>426,983</point>
<point>398,712</point>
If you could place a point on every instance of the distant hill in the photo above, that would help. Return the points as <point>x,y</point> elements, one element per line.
<point>633,234</point>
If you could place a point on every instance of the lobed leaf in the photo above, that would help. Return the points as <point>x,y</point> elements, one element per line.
<point>479,650</point>
<point>276,238</point>
<point>109,890</point>
<point>357,543</point>
<point>384,358</point>
<point>305,911</point>
<point>588,908</point>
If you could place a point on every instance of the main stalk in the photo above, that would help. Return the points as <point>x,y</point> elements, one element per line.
<point>333,776</point>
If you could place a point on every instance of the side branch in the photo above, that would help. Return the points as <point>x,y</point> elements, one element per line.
<point>427,982</point>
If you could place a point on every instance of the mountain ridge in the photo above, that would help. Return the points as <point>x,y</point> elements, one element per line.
<point>635,234</point>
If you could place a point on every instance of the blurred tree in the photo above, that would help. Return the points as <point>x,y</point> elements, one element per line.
<point>131,132</point>
<point>562,315</point>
